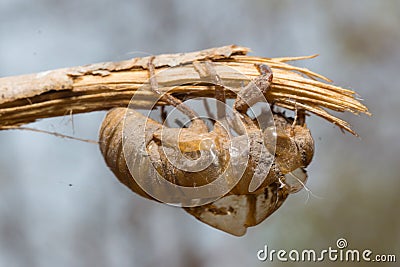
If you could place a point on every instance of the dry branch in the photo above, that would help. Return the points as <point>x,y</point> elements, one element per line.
<point>103,86</point>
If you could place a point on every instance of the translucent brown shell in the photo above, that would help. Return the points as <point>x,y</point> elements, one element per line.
<point>237,210</point>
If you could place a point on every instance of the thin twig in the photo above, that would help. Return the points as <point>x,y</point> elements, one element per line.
<point>51,133</point>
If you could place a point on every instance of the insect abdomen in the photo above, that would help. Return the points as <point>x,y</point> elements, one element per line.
<point>111,146</point>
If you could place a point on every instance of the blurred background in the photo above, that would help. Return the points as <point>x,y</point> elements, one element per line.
<point>61,206</point>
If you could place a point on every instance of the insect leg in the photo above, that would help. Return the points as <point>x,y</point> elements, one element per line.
<point>219,90</point>
<point>255,90</point>
<point>207,108</point>
<point>197,123</point>
<point>163,114</point>
<point>299,118</point>
<point>252,93</point>
<point>210,72</point>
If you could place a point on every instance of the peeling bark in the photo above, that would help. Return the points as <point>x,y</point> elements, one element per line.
<point>102,86</point>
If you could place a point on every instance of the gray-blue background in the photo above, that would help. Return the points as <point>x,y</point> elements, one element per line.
<point>99,222</point>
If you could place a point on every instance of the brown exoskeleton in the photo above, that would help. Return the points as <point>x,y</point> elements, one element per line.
<point>273,156</point>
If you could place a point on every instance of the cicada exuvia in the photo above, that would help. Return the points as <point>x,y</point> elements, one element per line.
<point>231,174</point>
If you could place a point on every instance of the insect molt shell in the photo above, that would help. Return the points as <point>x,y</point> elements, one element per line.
<point>238,209</point>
